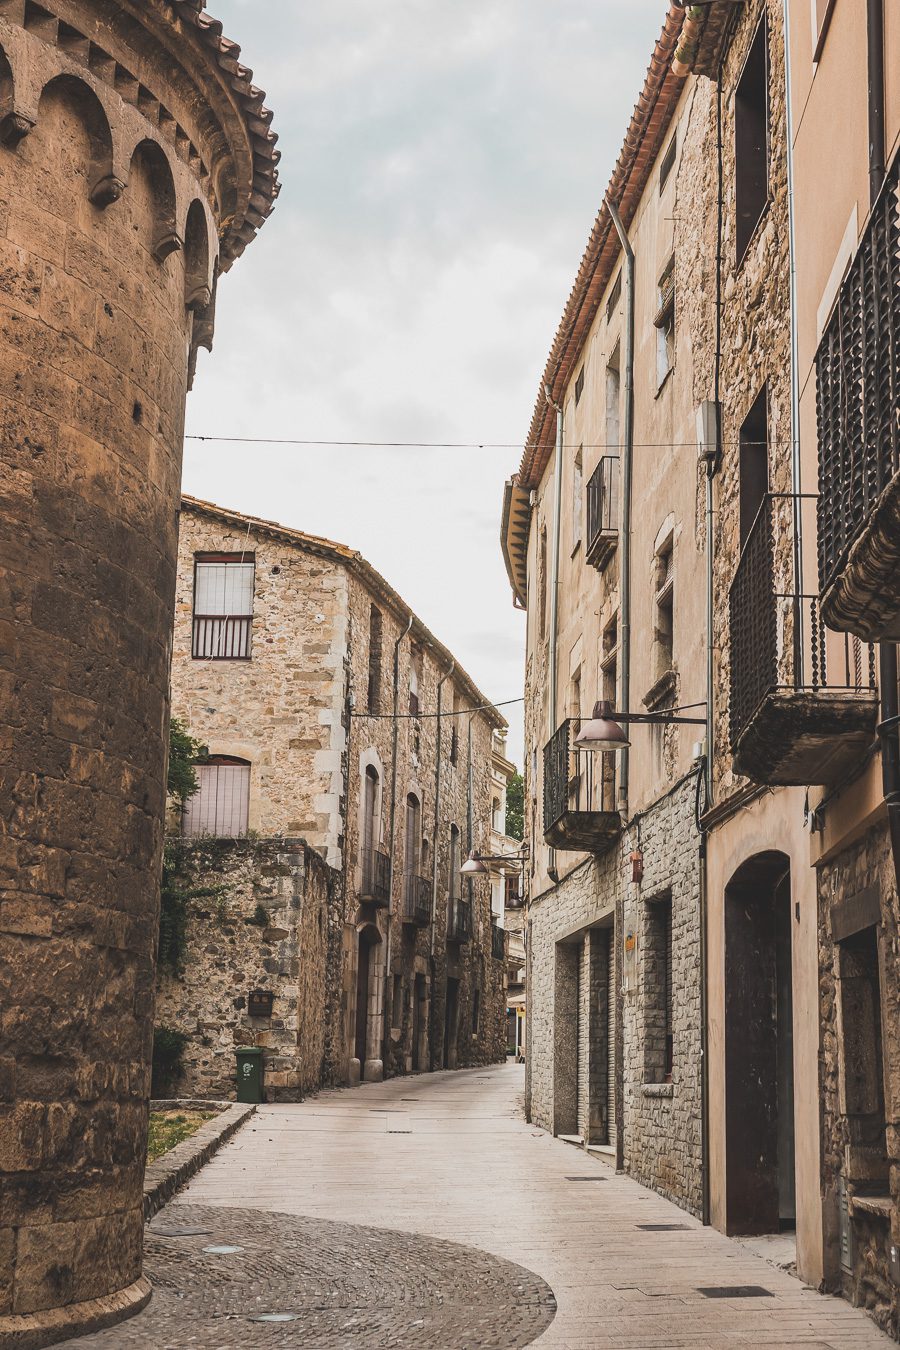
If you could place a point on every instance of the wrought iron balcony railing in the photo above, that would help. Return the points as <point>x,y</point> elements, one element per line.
<point>220,637</point>
<point>858,408</point>
<point>459,920</point>
<point>603,511</point>
<point>376,877</point>
<point>416,900</point>
<point>579,794</point>
<point>498,942</point>
<point>801,697</point>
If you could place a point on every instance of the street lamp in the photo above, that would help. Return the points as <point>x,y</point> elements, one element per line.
<point>475,864</point>
<point>603,732</point>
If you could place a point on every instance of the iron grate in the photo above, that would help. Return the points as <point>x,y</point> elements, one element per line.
<point>736,1291</point>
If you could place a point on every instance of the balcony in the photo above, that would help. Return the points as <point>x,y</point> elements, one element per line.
<point>376,877</point>
<point>579,795</point>
<point>498,942</point>
<point>803,704</point>
<point>459,920</point>
<point>603,512</point>
<point>858,407</point>
<point>416,908</point>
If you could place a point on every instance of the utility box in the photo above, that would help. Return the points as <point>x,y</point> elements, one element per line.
<point>249,1073</point>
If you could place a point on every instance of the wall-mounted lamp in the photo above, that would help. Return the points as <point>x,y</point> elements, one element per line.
<point>476,863</point>
<point>603,731</point>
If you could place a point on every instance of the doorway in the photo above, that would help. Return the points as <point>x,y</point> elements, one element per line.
<point>367,943</point>
<point>419,1024</point>
<point>759,1050</point>
<point>451,1024</point>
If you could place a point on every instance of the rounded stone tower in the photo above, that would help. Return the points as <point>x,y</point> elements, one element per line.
<point>136,163</point>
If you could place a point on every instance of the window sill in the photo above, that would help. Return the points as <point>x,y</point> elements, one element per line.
<point>881,1206</point>
<point>665,688</point>
<point>658,1089</point>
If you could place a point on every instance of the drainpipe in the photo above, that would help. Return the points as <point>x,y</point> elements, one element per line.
<point>627,457</point>
<point>554,560</point>
<point>796,471</point>
<point>385,993</point>
<point>434,859</point>
<point>888,731</point>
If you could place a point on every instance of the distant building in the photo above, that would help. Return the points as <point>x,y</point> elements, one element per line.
<point>316,692</point>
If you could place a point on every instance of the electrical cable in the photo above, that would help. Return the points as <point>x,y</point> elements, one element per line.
<point>448,445</point>
<point>420,716</point>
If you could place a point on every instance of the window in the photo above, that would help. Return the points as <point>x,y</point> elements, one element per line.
<point>668,163</point>
<point>412,846</point>
<point>579,386</point>
<point>415,680</point>
<point>862,1057</point>
<point>476,1010</point>
<point>454,730</point>
<point>374,877</point>
<point>615,296</point>
<point>223,606</point>
<point>664,322</point>
<point>221,804</point>
<point>496,815</point>
<point>455,864</point>
<point>577,495</point>
<point>613,392</point>
<point>609,679</point>
<point>665,607</point>
<point>754,463</point>
<point>658,1000</point>
<point>373,699</point>
<point>751,141</point>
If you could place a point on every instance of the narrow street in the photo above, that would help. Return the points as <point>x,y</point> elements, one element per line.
<point>448,1157</point>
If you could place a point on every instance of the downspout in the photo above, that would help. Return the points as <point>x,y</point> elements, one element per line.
<point>627,457</point>
<point>888,730</point>
<point>434,859</point>
<point>385,993</point>
<point>554,562</point>
<point>624,644</point>
<point>796,468</point>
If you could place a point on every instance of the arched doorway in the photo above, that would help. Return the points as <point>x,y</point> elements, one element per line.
<point>759,1058</point>
<point>369,938</point>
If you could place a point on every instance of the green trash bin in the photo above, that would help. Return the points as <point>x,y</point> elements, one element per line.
<point>249,1073</point>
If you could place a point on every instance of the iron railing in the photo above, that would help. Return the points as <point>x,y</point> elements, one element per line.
<point>376,876</point>
<point>778,639</point>
<point>498,942</point>
<point>416,900</point>
<point>576,780</point>
<point>858,387</point>
<point>603,510</point>
<point>220,637</point>
<point>459,920</point>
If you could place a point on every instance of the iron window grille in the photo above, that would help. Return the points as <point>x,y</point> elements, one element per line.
<point>223,606</point>
<point>376,876</point>
<point>459,920</point>
<point>498,942</point>
<point>603,511</point>
<point>416,899</point>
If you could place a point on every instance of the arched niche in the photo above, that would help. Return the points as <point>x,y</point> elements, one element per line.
<point>197,293</point>
<point>13,126</point>
<point>149,160</point>
<point>103,187</point>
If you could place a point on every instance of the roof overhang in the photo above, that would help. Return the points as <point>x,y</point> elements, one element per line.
<point>514,529</point>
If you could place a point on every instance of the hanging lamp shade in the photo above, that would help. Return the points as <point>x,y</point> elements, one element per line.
<point>602,731</point>
<point>473,866</point>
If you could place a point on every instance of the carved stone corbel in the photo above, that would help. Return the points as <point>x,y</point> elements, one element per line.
<point>13,128</point>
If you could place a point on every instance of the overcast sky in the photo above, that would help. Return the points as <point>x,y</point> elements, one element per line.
<point>442,164</point>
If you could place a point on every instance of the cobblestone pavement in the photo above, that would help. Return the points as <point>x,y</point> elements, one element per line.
<point>334,1284</point>
<point>449,1156</point>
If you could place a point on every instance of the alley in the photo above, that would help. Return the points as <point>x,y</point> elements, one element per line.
<point>449,1157</point>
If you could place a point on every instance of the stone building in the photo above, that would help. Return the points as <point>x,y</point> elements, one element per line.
<point>782,455</point>
<point>506,870</point>
<point>337,726</point>
<point>136,163</point>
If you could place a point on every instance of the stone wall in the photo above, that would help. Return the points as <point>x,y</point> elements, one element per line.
<point>109,244</point>
<point>860,1139</point>
<point>661,1121</point>
<point>269,924</point>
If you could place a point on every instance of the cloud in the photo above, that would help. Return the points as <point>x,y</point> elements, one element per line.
<point>442,165</point>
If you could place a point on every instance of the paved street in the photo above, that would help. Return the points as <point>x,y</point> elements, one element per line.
<point>450,1157</point>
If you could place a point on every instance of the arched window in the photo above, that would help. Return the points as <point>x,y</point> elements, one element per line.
<point>221,805</point>
<point>413,841</point>
<point>369,840</point>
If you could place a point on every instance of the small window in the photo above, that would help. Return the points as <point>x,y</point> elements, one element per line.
<point>754,463</point>
<point>415,680</point>
<point>664,322</point>
<point>751,141</point>
<point>375,640</point>
<point>659,1044</point>
<point>613,401</point>
<point>542,585</point>
<point>665,610</point>
<point>668,163</point>
<point>454,730</point>
<point>577,497</point>
<point>221,804</point>
<point>455,864</point>
<point>615,296</point>
<point>609,681</point>
<point>579,386</point>
<point>223,606</point>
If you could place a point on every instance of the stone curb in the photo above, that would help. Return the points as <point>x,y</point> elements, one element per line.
<point>170,1172</point>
